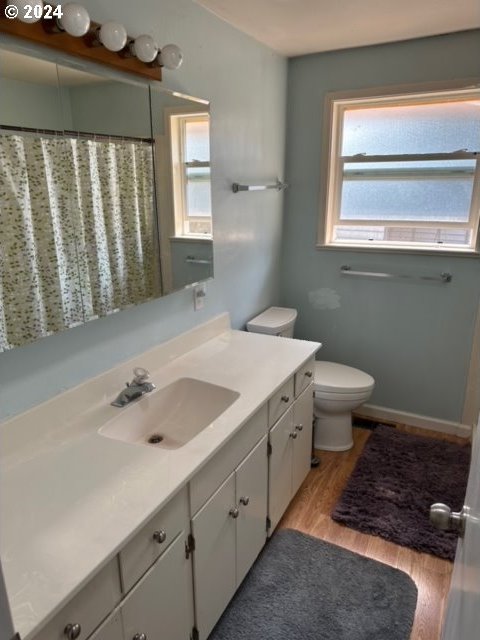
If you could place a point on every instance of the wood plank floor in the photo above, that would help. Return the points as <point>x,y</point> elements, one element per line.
<point>310,512</point>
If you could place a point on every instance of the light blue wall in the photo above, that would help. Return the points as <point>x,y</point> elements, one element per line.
<point>246,84</point>
<point>25,104</point>
<point>113,108</point>
<point>184,273</point>
<point>415,339</point>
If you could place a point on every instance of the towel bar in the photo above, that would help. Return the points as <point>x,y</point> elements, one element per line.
<point>347,270</point>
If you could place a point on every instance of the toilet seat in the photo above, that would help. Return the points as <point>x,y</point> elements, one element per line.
<point>334,378</point>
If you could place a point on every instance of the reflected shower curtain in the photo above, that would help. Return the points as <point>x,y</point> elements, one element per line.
<point>76,232</point>
<point>112,197</point>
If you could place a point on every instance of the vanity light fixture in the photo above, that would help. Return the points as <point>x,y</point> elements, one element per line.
<point>75,19</point>
<point>68,28</point>
<point>170,57</point>
<point>34,15</point>
<point>112,35</point>
<point>144,48</point>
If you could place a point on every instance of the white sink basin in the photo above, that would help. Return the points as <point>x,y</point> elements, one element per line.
<point>170,417</point>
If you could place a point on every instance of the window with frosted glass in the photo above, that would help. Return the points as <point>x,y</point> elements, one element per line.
<point>406,173</point>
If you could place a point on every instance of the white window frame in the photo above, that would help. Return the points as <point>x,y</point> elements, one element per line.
<point>332,167</point>
<point>176,119</point>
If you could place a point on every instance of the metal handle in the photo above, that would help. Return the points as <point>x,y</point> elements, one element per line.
<point>299,427</point>
<point>443,518</point>
<point>140,375</point>
<point>309,374</point>
<point>244,500</point>
<point>234,513</point>
<point>139,636</point>
<point>160,536</point>
<point>72,631</point>
<point>294,435</point>
<point>285,398</point>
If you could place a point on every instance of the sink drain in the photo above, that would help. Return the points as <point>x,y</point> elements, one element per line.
<point>155,439</point>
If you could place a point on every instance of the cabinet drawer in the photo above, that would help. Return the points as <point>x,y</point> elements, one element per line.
<point>89,607</point>
<point>279,403</point>
<point>208,479</point>
<point>141,552</point>
<point>304,376</point>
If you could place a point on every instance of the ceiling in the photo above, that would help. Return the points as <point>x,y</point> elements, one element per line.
<point>297,27</point>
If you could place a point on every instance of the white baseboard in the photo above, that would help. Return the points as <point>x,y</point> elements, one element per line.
<point>414,420</point>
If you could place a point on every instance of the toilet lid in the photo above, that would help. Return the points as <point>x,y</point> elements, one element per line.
<point>338,378</point>
<point>273,320</point>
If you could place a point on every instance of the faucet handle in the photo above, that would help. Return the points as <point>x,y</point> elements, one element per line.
<point>140,375</point>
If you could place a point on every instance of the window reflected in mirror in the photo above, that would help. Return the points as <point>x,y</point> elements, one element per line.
<point>190,152</point>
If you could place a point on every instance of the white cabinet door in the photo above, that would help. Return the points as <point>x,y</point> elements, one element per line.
<point>302,444</point>
<point>161,604</point>
<point>251,490</point>
<point>280,468</point>
<point>214,558</point>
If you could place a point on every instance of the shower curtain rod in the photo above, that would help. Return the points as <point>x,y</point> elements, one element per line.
<point>76,134</point>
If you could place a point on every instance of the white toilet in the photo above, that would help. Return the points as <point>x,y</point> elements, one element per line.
<point>338,389</point>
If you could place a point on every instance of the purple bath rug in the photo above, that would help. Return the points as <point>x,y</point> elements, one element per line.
<point>396,479</point>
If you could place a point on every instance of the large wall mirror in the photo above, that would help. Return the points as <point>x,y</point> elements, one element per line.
<point>105,197</point>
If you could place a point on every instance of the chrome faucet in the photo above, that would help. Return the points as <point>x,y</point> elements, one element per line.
<point>134,389</point>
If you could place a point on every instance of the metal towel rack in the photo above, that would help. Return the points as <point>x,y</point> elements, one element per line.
<point>279,186</point>
<point>348,271</point>
<point>193,260</point>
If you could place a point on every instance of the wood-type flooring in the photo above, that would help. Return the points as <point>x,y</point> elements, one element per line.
<point>310,512</point>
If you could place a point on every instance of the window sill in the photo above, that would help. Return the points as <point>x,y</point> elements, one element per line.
<point>458,253</point>
<point>199,239</point>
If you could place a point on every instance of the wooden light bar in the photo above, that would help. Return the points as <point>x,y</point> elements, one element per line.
<point>42,33</point>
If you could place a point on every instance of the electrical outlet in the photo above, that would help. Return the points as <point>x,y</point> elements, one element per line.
<point>199,295</point>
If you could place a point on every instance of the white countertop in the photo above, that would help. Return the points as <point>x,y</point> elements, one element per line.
<point>70,498</point>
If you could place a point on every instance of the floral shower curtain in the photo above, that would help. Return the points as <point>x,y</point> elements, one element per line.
<point>77,232</point>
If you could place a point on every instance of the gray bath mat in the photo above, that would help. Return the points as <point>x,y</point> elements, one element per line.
<point>302,588</point>
<point>397,477</point>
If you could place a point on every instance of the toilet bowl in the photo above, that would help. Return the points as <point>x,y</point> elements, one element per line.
<point>338,389</point>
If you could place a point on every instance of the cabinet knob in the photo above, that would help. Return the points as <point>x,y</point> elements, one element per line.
<point>285,398</point>
<point>299,427</point>
<point>160,536</point>
<point>244,500</point>
<point>139,636</point>
<point>234,512</point>
<point>309,374</point>
<point>294,435</point>
<point>72,631</point>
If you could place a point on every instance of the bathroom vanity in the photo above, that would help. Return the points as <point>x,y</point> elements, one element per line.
<point>107,536</point>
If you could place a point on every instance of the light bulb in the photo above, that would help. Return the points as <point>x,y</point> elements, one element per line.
<point>113,36</point>
<point>144,48</point>
<point>35,12</point>
<point>75,19</point>
<point>170,57</point>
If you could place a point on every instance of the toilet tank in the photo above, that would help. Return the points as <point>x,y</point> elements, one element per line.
<point>275,321</point>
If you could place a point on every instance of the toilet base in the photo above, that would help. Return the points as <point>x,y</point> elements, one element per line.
<point>333,432</point>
